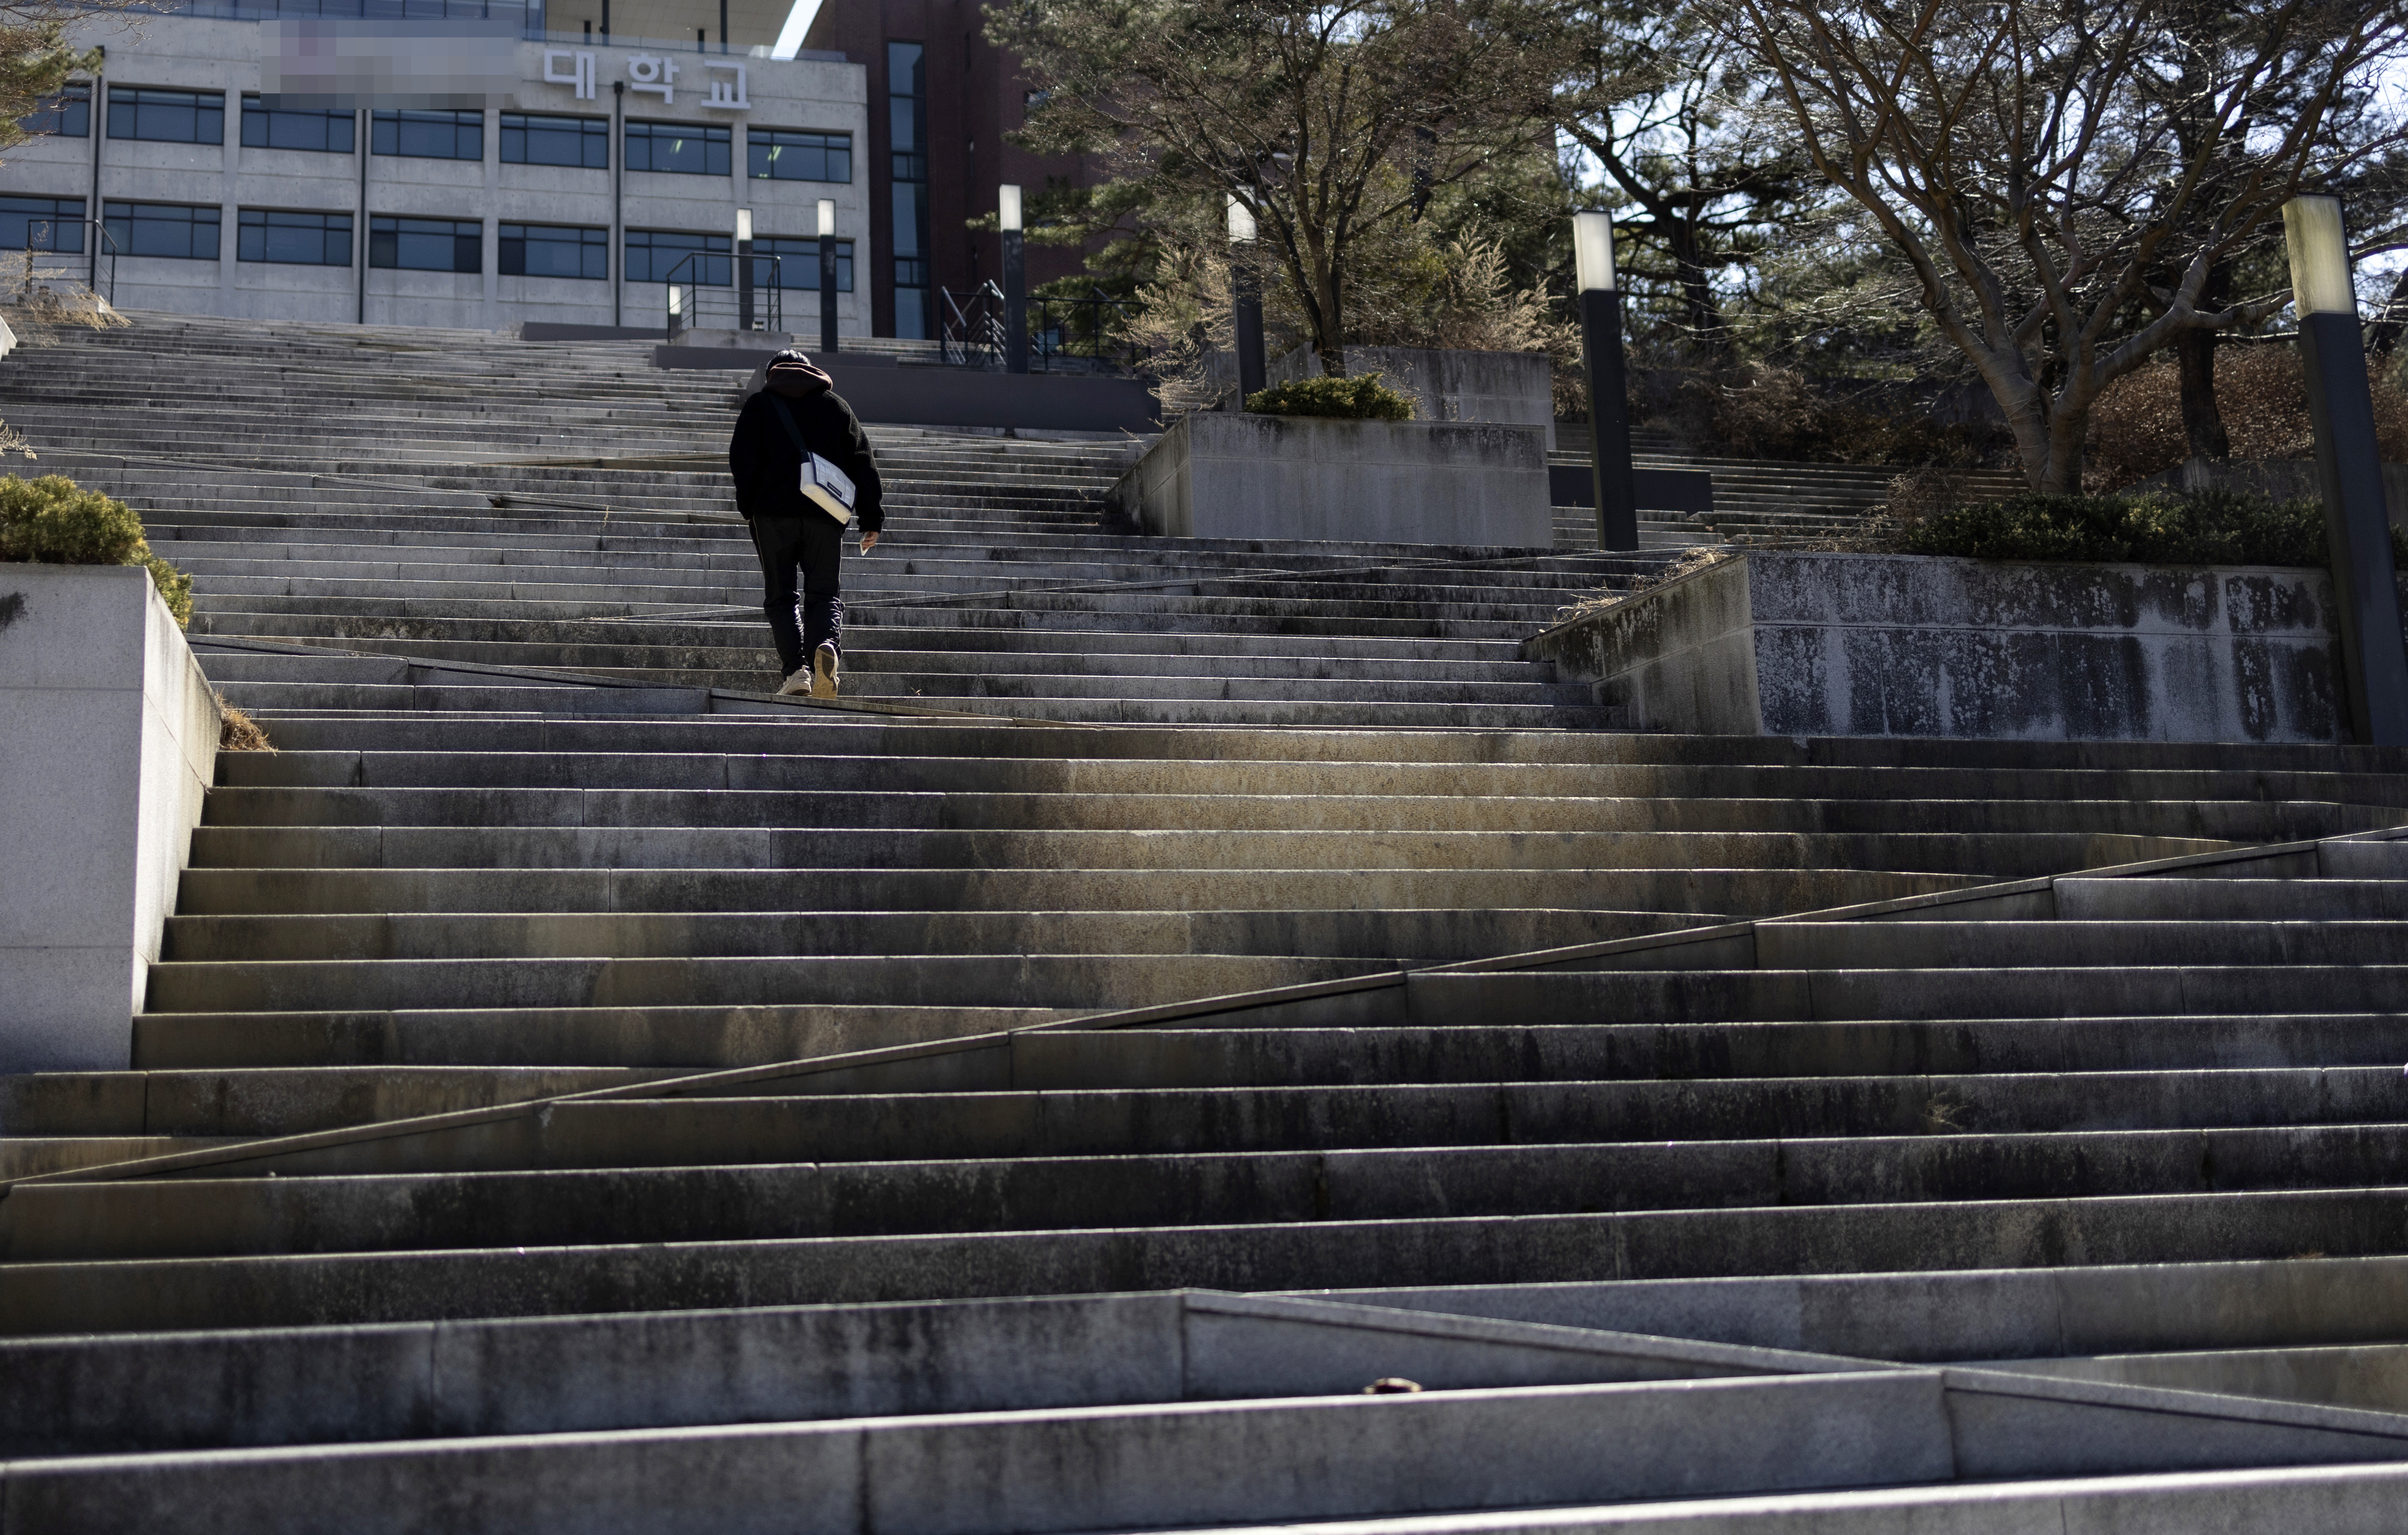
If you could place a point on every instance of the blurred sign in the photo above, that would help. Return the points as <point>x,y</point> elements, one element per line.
<point>432,66</point>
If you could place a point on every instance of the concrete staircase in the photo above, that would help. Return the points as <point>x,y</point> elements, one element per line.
<point>580,1093</point>
<point>1756,500</point>
<point>2030,1255</point>
<point>565,505</point>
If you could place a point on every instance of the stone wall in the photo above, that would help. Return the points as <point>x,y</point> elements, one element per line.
<point>1216,475</point>
<point>109,739</point>
<point>1908,645</point>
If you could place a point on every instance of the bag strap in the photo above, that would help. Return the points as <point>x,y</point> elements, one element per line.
<point>786,418</point>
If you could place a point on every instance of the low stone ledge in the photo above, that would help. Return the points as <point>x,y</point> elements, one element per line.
<point>1217,475</point>
<point>109,741</point>
<point>1911,645</point>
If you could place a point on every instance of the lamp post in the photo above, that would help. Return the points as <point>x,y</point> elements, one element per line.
<point>1247,285</point>
<point>1015,281</point>
<point>1608,410</point>
<point>744,269</point>
<point>2349,471</point>
<point>827,276</point>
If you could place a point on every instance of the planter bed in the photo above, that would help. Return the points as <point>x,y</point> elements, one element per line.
<point>1223,475</point>
<point>109,741</point>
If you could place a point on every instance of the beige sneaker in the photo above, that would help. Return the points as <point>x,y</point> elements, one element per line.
<point>825,666</point>
<point>801,683</point>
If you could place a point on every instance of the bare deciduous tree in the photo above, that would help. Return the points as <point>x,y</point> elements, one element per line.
<point>2064,177</point>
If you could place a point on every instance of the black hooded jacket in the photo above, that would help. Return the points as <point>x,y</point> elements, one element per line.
<point>768,470</point>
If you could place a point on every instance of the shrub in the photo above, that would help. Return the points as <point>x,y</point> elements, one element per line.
<point>2135,428</point>
<point>53,521</point>
<point>2216,527</point>
<point>1361,397</point>
<point>1764,411</point>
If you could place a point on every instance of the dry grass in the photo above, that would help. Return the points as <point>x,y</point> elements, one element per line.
<point>36,309</point>
<point>240,732</point>
<point>2135,428</point>
<point>1689,564</point>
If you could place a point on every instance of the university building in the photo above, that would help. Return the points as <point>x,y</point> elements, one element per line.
<point>598,168</point>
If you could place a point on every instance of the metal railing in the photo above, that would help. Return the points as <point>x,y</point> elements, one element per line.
<point>1064,335</point>
<point>94,266</point>
<point>697,303</point>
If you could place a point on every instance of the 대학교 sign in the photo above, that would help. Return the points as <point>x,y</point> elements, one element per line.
<point>653,73</point>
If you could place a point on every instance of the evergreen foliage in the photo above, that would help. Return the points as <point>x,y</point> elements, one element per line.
<point>53,521</point>
<point>1360,397</point>
<point>2215,527</point>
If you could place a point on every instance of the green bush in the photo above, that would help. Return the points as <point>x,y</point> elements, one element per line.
<point>53,521</point>
<point>1361,397</point>
<point>2215,527</point>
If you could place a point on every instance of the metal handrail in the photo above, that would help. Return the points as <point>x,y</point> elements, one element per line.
<point>1064,335</point>
<point>686,296</point>
<point>97,233</point>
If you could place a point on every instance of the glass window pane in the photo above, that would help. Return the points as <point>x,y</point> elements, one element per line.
<point>265,127</point>
<point>683,149</point>
<point>427,245</point>
<point>164,229</point>
<point>778,155</point>
<point>653,254</point>
<point>428,135</point>
<point>798,266</point>
<point>299,240</point>
<point>554,250</point>
<point>535,139</point>
<point>66,115</point>
<point>174,117</point>
<point>41,223</point>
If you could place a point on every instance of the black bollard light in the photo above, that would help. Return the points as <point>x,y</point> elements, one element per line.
<point>2349,471</point>
<point>827,276</point>
<point>1246,284</point>
<point>1015,281</point>
<point>744,269</point>
<point>1609,407</point>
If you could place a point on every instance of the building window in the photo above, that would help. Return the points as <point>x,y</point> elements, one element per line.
<point>429,136</point>
<point>265,127</point>
<point>427,245</point>
<point>907,119</point>
<point>799,264</point>
<point>778,155</point>
<point>172,116</point>
<point>530,139</point>
<point>684,148</point>
<point>66,115</point>
<point>41,223</point>
<point>652,254</point>
<point>294,239</point>
<point>163,229</point>
<point>543,249</point>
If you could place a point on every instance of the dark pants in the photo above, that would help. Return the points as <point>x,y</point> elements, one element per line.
<point>811,545</point>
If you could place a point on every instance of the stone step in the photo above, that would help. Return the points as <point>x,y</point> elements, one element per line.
<point>2002,855</point>
<point>159,1294</point>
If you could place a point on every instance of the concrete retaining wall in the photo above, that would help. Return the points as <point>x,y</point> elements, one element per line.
<point>1911,645</point>
<point>1215,475</point>
<point>109,739</point>
<point>1514,387</point>
<point>879,391</point>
